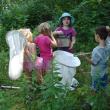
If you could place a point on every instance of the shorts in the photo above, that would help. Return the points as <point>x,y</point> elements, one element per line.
<point>42,64</point>
<point>99,83</point>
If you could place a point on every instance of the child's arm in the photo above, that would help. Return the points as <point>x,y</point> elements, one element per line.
<point>87,58</point>
<point>53,41</point>
<point>27,52</point>
<point>30,51</point>
<point>33,55</point>
<point>55,33</point>
<point>73,38</point>
<point>72,43</point>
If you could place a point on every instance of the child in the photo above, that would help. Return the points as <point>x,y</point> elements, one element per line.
<point>99,60</point>
<point>44,42</point>
<point>29,53</point>
<point>65,33</point>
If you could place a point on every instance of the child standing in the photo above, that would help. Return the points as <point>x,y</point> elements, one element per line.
<point>65,33</point>
<point>45,41</point>
<point>99,60</point>
<point>29,53</point>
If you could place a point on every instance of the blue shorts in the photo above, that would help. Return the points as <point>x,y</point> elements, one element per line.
<point>100,83</point>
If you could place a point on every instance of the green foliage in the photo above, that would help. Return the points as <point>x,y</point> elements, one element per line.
<point>38,12</point>
<point>47,96</point>
<point>88,15</point>
<point>3,45</point>
<point>3,66</point>
<point>14,17</point>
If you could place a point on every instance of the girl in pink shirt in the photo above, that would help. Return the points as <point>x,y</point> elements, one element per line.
<point>44,41</point>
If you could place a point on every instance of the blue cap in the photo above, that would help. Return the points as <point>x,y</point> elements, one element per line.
<point>67,15</point>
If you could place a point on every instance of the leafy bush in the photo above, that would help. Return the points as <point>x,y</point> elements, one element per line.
<point>38,12</point>
<point>28,13</point>
<point>89,14</point>
<point>14,17</point>
<point>3,45</point>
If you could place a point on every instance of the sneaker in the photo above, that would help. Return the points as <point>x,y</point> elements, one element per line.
<point>71,88</point>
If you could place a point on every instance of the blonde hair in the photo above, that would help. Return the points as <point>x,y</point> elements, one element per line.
<point>27,33</point>
<point>44,28</point>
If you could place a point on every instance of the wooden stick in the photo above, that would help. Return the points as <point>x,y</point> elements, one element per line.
<point>80,54</point>
<point>8,87</point>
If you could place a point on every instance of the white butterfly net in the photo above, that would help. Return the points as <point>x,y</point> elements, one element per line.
<point>66,65</point>
<point>16,42</point>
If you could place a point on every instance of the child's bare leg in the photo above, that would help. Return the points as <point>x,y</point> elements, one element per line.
<point>39,77</point>
<point>43,72</point>
<point>28,71</point>
<point>29,76</point>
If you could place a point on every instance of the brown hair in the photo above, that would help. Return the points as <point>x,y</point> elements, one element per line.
<point>103,32</point>
<point>61,21</point>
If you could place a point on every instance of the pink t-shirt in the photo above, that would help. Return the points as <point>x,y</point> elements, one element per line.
<point>44,44</point>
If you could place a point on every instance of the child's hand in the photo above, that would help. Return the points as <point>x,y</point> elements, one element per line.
<point>58,33</point>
